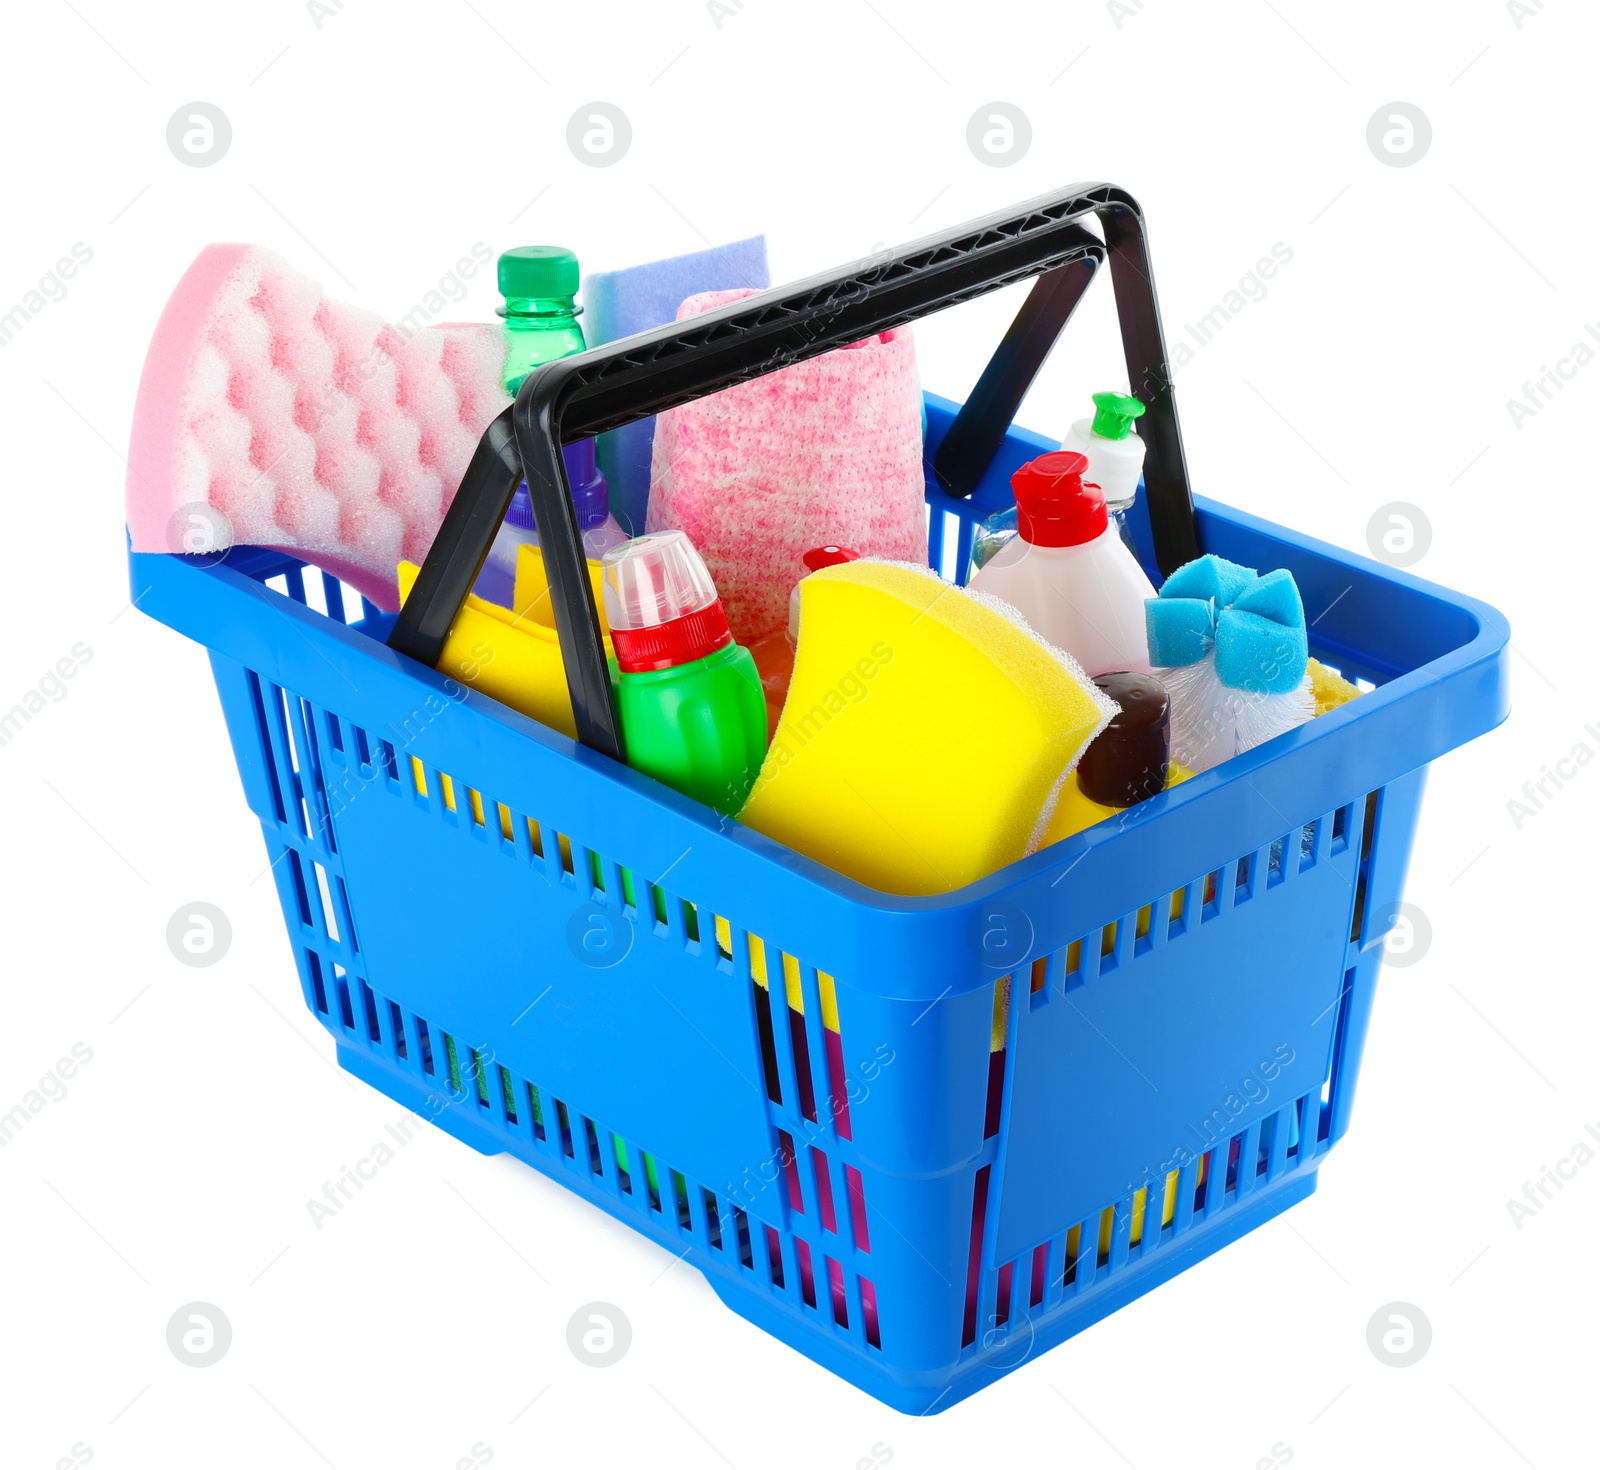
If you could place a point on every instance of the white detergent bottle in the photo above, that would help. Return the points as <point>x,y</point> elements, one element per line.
<point>1067,571</point>
<point>1114,451</point>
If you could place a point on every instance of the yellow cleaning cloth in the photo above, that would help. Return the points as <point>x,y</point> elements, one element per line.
<point>508,656</point>
<point>926,734</point>
<point>531,599</point>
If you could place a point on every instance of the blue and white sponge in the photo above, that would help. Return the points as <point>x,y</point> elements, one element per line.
<point>1256,624</point>
<point>1261,639</point>
<point>1231,649</point>
<point>1179,631</point>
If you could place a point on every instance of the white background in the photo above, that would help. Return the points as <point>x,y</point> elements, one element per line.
<point>373,151</point>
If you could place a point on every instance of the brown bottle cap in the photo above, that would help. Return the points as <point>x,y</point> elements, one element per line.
<point>1127,761</point>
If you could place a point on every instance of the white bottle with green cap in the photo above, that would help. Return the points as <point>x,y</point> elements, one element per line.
<point>1114,451</point>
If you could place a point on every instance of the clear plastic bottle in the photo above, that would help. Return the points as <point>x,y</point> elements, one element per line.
<point>990,536</point>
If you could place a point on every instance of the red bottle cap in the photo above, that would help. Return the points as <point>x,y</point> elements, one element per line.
<point>660,603</point>
<point>666,645</point>
<point>828,556</point>
<point>1055,505</point>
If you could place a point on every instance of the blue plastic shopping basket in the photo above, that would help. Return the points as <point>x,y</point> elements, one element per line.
<point>918,1139</point>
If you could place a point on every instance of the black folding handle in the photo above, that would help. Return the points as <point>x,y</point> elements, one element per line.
<point>983,420</point>
<point>614,385</point>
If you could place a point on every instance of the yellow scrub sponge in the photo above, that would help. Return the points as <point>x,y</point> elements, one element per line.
<point>926,733</point>
<point>1329,689</point>
<point>508,656</point>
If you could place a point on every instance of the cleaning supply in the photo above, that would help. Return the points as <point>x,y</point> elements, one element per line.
<point>1116,458</point>
<point>774,654</point>
<point>1115,453</point>
<point>515,659</point>
<point>531,598</point>
<point>1068,572</point>
<point>539,289</point>
<point>539,284</point>
<point>497,578</point>
<point>688,696</point>
<point>1230,646</point>
<point>623,302</point>
<point>825,452</point>
<point>990,536</point>
<point>1329,688</point>
<point>310,424</point>
<point>898,678</point>
<point>1126,763</point>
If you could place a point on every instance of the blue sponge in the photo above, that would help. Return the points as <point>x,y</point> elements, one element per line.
<point>618,304</point>
<point>1257,624</point>
<point>1209,577</point>
<point>1273,596</point>
<point>1259,655</point>
<point>1178,629</point>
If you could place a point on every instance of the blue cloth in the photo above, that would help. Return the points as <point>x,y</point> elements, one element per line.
<point>620,303</point>
<point>1256,624</point>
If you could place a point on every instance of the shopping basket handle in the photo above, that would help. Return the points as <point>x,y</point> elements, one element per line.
<point>608,387</point>
<point>985,418</point>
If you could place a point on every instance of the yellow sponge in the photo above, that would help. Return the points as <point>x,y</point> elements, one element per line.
<point>506,655</point>
<point>1329,689</point>
<point>926,734</point>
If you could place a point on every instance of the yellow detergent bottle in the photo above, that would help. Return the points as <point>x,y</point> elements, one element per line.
<point>898,678</point>
<point>1126,763</point>
<point>510,656</point>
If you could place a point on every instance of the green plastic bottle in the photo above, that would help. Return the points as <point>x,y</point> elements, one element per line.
<point>539,283</point>
<point>540,287</point>
<point>689,698</point>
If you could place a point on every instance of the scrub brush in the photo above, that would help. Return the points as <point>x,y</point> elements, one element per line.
<point>1230,647</point>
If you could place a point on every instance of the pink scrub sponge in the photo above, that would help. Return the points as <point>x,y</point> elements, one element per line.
<point>826,452</point>
<point>309,424</point>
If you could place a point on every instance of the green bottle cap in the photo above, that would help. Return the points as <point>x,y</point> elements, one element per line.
<point>538,270</point>
<point>1114,413</point>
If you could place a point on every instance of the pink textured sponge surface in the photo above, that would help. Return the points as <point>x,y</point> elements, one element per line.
<point>309,423</point>
<point>825,452</point>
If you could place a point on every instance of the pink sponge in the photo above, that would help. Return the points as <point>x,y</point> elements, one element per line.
<point>826,452</point>
<point>310,424</point>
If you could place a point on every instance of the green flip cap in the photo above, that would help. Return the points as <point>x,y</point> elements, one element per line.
<point>1114,414</point>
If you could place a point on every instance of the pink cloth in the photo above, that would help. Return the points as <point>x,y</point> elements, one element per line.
<point>826,452</point>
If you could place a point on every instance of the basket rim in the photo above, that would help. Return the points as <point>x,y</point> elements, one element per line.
<point>1489,638</point>
<point>1410,719</point>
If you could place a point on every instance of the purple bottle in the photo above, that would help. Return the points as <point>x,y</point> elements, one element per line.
<point>498,578</point>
